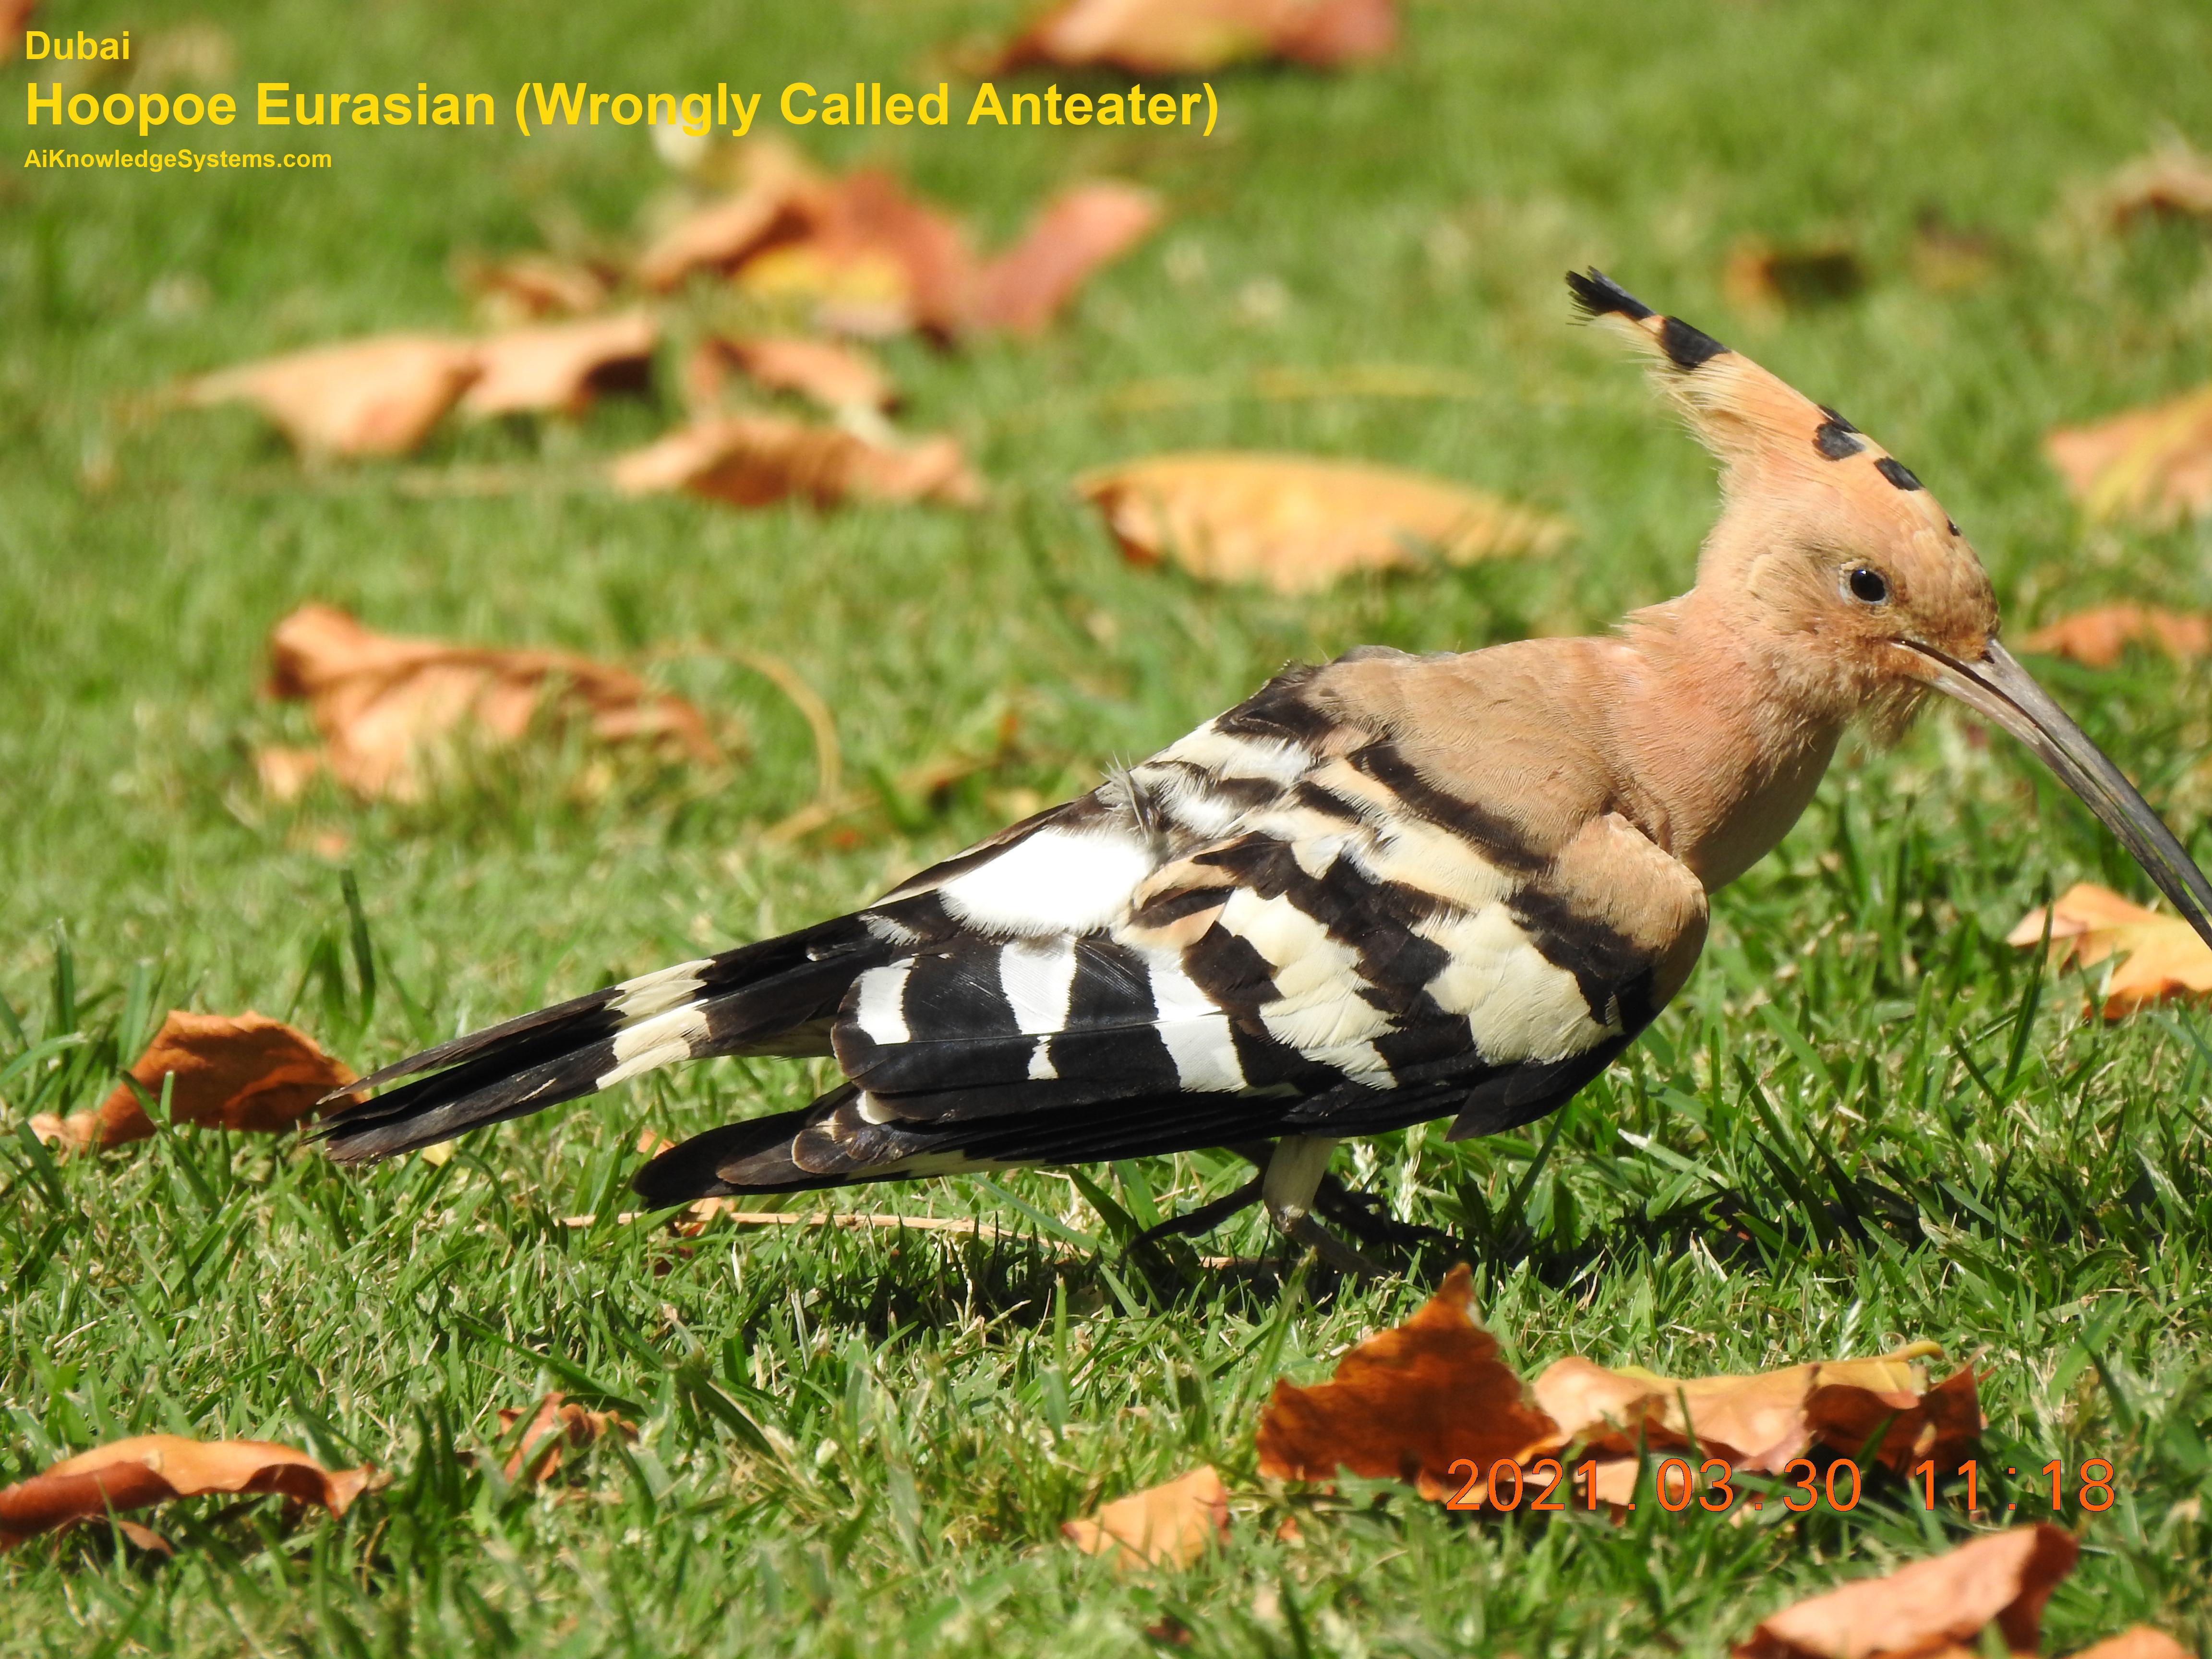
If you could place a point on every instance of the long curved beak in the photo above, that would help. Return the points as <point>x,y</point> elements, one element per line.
<point>1998,687</point>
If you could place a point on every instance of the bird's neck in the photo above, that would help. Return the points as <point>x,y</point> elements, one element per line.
<point>1723,732</point>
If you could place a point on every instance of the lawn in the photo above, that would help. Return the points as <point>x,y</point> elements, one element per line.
<point>866,1441</point>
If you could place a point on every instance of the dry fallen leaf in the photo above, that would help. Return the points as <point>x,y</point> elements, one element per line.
<point>1948,259</point>
<point>751,460</point>
<point>872,259</point>
<point>532,287</point>
<point>1189,37</point>
<point>1933,1607</point>
<point>1298,522</point>
<point>2140,1643</point>
<point>375,397</point>
<point>835,376</point>
<point>2089,924</point>
<point>1408,1402</point>
<point>1024,289</point>
<point>1761,276</point>
<point>2152,463</point>
<point>151,1469</point>
<point>555,1425</point>
<point>772,176</point>
<point>1169,1525</point>
<point>382,703</point>
<point>2097,637</point>
<point>248,1072</point>
<point>1761,1422</point>
<point>2174,181</point>
<point>14,19</point>
<point>558,366</point>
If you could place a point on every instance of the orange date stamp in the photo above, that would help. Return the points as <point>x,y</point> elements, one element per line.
<point>1712,1486</point>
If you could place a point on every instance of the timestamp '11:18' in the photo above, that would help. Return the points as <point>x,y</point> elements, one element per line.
<point>2093,1482</point>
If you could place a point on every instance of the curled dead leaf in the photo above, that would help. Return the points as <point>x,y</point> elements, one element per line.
<point>558,366</point>
<point>1025,288</point>
<point>1173,1524</point>
<point>1934,1606</point>
<point>247,1073</point>
<point>835,376</point>
<point>2140,1643</point>
<point>532,287</point>
<point>2096,638</point>
<point>2153,463</point>
<point>2089,924</point>
<point>751,460</point>
<point>382,703</point>
<point>2174,181</point>
<point>373,397</point>
<point>1298,523</point>
<point>152,1468</point>
<point>1408,1402</point>
<point>555,1425</point>
<point>1189,37</point>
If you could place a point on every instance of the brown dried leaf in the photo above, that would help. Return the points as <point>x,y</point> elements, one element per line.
<point>1169,1525</point>
<point>558,366</point>
<point>2153,464</point>
<point>2089,923</point>
<point>1933,1606</point>
<point>1089,227</point>
<point>2174,181</point>
<point>774,175</point>
<point>381,702</point>
<point>874,260</point>
<point>837,377</point>
<point>531,287</point>
<point>555,1425</point>
<point>375,397</point>
<point>14,19</point>
<point>1764,1421</point>
<point>1763,277</point>
<point>2140,1643</point>
<point>751,460</point>
<point>1298,522</point>
<point>248,1072</point>
<point>1407,1402</point>
<point>1189,37</point>
<point>151,1469</point>
<point>2097,637</point>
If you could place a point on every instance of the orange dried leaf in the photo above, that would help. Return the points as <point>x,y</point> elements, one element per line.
<point>248,1072</point>
<point>380,703</point>
<point>1763,1420</point>
<point>1408,1402</point>
<point>2089,924</point>
<point>2140,1643</point>
<point>1189,37</point>
<point>1169,1525</point>
<point>1025,288</point>
<point>722,233</point>
<point>2153,464</point>
<point>2097,637</point>
<point>555,1425</point>
<point>151,1469</point>
<point>751,460</point>
<point>375,397</point>
<point>532,286</point>
<point>558,366</point>
<point>1298,523</point>
<point>834,376</point>
<point>2174,181</point>
<point>1930,1608</point>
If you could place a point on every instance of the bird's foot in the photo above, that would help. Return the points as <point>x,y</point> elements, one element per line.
<point>1367,1217</point>
<point>1304,1229</point>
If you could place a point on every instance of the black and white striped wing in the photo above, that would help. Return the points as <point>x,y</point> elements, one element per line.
<point>1255,932</point>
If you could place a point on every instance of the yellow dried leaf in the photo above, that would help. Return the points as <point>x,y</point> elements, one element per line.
<point>1298,523</point>
<point>2097,637</point>
<point>375,397</point>
<point>2153,464</point>
<point>2089,924</point>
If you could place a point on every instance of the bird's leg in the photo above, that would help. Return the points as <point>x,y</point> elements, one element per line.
<point>1207,1217</point>
<point>1367,1219</point>
<point>1293,1176</point>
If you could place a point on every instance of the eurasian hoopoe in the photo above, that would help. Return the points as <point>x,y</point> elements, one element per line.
<point>1386,889</point>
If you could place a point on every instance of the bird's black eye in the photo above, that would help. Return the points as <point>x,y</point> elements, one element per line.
<point>1868,585</point>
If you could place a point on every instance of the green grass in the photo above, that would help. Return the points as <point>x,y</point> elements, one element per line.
<point>1866,1120</point>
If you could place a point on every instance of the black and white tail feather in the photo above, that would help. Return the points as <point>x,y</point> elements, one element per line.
<point>1276,926</point>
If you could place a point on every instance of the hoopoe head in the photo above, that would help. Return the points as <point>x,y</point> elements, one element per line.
<point>1831,554</point>
<point>1826,543</point>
